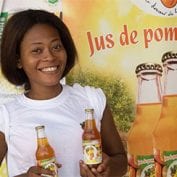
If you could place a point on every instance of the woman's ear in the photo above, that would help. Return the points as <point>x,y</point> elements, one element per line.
<point>19,65</point>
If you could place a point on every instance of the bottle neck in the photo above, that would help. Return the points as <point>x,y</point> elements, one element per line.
<point>170,78</point>
<point>90,121</point>
<point>41,137</point>
<point>89,115</point>
<point>149,88</point>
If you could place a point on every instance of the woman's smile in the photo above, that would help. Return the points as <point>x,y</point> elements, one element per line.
<point>49,69</point>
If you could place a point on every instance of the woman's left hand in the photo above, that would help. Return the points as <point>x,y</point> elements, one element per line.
<point>101,171</point>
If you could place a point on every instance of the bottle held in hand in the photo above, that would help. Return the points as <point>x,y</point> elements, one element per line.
<point>91,141</point>
<point>45,154</point>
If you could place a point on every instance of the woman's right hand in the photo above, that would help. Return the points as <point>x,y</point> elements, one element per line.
<point>36,171</point>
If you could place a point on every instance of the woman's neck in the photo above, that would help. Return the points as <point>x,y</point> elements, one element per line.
<point>44,93</point>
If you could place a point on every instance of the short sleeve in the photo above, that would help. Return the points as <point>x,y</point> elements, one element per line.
<point>97,100</point>
<point>91,97</point>
<point>3,118</point>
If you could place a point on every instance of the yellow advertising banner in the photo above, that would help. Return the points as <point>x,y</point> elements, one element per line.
<point>115,38</point>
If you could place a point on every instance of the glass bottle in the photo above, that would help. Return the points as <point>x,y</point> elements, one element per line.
<point>45,154</point>
<point>165,132</point>
<point>91,141</point>
<point>148,107</point>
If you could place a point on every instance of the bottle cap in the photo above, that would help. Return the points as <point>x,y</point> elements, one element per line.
<point>89,110</point>
<point>39,127</point>
<point>149,67</point>
<point>170,55</point>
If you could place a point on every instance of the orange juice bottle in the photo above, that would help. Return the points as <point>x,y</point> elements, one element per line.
<point>91,141</point>
<point>148,106</point>
<point>165,132</point>
<point>45,154</point>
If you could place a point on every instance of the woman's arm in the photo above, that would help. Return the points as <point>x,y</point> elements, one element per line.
<point>112,145</point>
<point>3,147</point>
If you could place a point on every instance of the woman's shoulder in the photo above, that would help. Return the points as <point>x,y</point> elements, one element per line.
<point>86,89</point>
<point>9,101</point>
<point>94,95</point>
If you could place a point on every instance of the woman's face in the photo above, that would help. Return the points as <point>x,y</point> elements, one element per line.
<point>42,56</point>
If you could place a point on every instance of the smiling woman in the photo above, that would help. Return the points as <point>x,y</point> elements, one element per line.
<point>37,51</point>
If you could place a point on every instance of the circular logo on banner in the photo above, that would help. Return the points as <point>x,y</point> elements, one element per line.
<point>165,8</point>
<point>172,169</point>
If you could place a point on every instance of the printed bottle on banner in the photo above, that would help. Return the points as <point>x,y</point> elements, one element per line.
<point>165,132</point>
<point>148,108</point>
<point>45,154</point>
<point>91,141</point>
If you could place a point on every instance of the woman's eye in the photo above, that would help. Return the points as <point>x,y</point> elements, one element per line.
<point>36,51</point>
<point>58,47</point>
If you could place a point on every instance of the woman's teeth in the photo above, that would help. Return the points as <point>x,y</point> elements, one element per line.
<point>53,68</point>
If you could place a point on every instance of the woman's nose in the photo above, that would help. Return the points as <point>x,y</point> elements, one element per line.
<point>48,55</point>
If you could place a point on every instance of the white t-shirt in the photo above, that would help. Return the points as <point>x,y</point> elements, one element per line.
<point>61,116</point>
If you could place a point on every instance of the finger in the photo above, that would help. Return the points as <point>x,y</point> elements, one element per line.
<point>105,163</point>
<point>39,171</point>
<point>106,159</point>
<point>104,173</point>
<point>33,170</point>
<point>32,175</point>
<point>96,173</point>
<point>58,165</point>
<point>101,168</point>
<point>83,173</point>
<point>85,170</point>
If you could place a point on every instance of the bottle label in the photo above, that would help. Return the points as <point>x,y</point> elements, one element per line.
<point>92,152</point>
<point>146,165</point>
<point>141,165</point>
<point>166,163</point>
<point>170,161</point>
<point>49,164</point>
